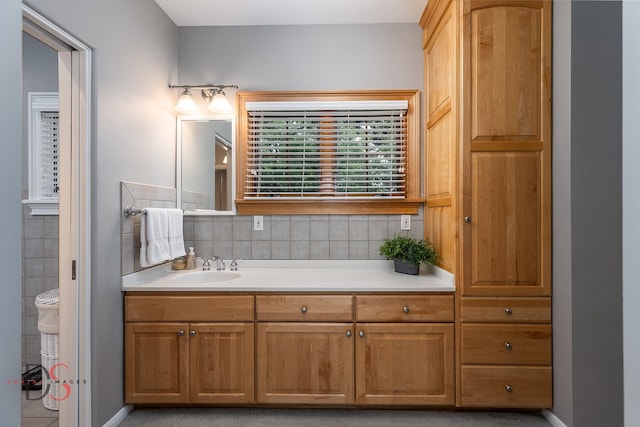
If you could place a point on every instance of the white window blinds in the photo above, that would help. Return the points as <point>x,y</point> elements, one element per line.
<point>326,149</point>
<point>49,160</point>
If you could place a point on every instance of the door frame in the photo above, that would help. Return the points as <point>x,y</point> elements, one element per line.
<point>74,74</point>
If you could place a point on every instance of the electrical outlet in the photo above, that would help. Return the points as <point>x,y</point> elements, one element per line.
<point>258,224</point>
<point>405,222</point>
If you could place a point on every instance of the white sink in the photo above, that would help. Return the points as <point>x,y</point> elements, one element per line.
<point>211,276</point>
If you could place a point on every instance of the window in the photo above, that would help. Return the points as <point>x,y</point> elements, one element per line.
<point>352,152</point>
<point>43,151</point>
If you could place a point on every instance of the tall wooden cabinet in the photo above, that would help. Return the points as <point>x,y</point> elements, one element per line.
<point>488,188</point>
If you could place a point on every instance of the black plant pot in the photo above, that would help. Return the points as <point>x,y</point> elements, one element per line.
<point>406,267</point>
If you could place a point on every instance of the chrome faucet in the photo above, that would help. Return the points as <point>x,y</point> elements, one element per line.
<point>205,265</point>
<point>219,263</point>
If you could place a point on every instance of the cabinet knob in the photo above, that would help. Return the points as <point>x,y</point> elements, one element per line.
<point>405,309</point>
<point>508,345</point>
<point>192,332</point>
<point>467,219</point>
<point>304,309</point>
<point>508,388</point>
<point>508,310</point>
<point>348,334</point>
<point>361,333</point>
<point>180,333</point>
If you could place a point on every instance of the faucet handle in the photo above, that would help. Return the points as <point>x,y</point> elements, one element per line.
<point>234,265</point>
<point>205,265</point>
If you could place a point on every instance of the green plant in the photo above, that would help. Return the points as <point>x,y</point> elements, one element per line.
<point>407,248</point>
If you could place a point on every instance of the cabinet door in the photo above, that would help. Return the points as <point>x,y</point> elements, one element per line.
<point>305,363</point>
<point>221,368</point>
<point>507,148</point>
<point>404,364</point>
<point>440,44</point>
<point>156,363</point>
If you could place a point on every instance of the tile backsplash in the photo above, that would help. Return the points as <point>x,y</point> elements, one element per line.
<point>283,237</point>
<point>295,236</point>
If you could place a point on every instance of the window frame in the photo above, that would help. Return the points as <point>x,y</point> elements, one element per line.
<point>409,205</point>
<point>39,102</point>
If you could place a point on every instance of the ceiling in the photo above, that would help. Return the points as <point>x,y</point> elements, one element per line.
<point>291,12</point>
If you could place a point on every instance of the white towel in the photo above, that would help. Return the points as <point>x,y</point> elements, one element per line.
<point>176,239</point>
<point>154,237</point>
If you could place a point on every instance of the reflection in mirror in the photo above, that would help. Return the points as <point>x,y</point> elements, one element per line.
<point>205,165</point>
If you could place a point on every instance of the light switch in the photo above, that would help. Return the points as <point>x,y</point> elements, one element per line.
<point>258,224</point>
<point>405,222</point>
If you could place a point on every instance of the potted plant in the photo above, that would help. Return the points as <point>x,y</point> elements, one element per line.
<point>408,253</point>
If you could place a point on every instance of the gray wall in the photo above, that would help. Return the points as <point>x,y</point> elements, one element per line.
<point>135,50</point>
<point>631,207</point>
<point>596,213</point>
<point>315,57</point>
<point>10,214</point>
<point>561,158</point>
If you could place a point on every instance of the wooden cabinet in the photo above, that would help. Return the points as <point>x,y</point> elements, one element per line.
<point>305,363</point>
<point>505,353</point>
<point>488,189</point>
<point>305,347</point>
<point>301,349</point>
<point>399,351</point>
<point>188,362</point>
<point>156,362</point>
<point>404,364</point>
<point>506,148</point>
<point>409,360</point>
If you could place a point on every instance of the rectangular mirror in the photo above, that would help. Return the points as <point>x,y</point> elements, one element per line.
<point>205,160</point>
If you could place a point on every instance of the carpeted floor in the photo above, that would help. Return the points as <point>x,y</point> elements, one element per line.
<point>268,417</point>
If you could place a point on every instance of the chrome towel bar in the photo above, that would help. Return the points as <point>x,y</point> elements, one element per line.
<point>131,211</point>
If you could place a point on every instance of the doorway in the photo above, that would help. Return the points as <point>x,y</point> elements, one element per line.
<point>73,181</point>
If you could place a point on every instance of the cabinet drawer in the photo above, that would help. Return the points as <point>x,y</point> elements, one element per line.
<point>404,308</point>
<point>190,308</point>
<point>506,386</point>
<point>506,344</point>
<point>333,308</point>
<point>526,310</point>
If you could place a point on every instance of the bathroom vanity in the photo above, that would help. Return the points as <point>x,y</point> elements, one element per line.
<point>367,336</point>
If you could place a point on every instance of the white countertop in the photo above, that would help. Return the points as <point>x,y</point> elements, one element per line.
<point>298,276</point>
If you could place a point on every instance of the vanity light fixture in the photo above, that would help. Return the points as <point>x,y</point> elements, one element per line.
<point>213,94</point>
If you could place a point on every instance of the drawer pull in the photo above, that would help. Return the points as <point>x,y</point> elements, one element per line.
<point>508,310</point>
<point>361,333</point>
<point>180,333</point>
<point>508,388</point>
<point>508,345</point>
<point>192,333</point>
<point>348,334</point>
<point>405,309</point>
<point>304,309</point>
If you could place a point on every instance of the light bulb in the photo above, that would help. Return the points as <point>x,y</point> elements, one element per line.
<point>220,104</point>
<point>186,104</point>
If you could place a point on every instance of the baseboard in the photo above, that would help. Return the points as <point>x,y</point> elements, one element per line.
<point>119,416</point>
<point>553,420</point>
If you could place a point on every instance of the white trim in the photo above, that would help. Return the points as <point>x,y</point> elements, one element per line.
<point>553,420</point>
<point>75,235</point>
<point>119,416</point>
<point>325,105</point>
<point>41,207</point>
